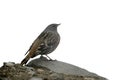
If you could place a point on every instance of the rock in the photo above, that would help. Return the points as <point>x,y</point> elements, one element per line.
<point>43,69</point>
<point>30,71</point>
<point>56,76</point>
<point>35,78</point>
<point>40,71</point>
<point>62,67</point>
<point>9,64</point>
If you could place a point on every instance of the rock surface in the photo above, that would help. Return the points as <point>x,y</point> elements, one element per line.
<point>43,69</point>
<point>60,67</point>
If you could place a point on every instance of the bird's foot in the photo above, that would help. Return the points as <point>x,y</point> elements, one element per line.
<point>52,60</point>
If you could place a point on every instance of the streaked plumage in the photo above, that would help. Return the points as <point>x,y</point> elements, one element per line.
<point>45,43</point>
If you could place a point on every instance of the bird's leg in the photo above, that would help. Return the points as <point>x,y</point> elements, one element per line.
<point>41,56</point>
<point>49,58</point>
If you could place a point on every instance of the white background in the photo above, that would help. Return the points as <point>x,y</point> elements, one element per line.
<point>90,31</point>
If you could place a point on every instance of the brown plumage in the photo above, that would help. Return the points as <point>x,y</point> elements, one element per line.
<point>45,43</point>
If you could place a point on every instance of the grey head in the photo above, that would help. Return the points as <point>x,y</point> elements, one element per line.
<point>52,27</point>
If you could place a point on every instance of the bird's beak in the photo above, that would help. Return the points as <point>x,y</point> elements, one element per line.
<point>59,24</point>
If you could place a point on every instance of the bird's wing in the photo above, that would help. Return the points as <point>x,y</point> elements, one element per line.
<point>46,41</point>
<point>37,42</point>
<point>50,42</point>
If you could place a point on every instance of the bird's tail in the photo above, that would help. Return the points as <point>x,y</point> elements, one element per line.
<point>25,60</point>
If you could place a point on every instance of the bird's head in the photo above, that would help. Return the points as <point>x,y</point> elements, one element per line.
<point>52,27</point>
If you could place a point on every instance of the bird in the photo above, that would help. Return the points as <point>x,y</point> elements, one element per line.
<point>44,44</point>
